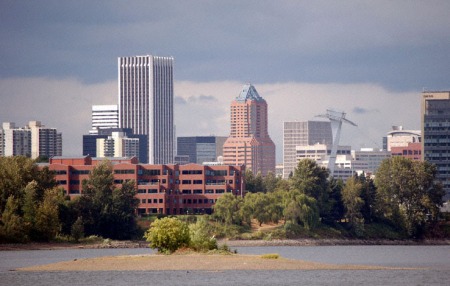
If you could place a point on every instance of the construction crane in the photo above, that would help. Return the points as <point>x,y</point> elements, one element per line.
<point>336,118</point>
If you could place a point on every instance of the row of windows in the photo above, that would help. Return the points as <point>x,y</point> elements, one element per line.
<point>181,201</point>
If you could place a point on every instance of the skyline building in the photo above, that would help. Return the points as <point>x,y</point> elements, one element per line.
<point>435,124</point>
<point>249,142</point>
<point>32,141</point>
<point>92,147</point>
<point>103,117</point>
<point>146,103</point>
<point>200,149</point>
<point>302,133</point>
<point>15,141</point>
<point>44,141</point>
<point>399,137</point>
<point>118,145</point>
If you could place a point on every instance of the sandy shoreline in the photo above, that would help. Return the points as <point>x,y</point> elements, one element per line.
<point>230,243</point>
<point>191,262</point>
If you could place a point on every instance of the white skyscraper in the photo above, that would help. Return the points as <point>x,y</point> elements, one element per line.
<point>146,103</point>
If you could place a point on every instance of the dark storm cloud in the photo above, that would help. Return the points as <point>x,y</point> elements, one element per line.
<point>399,45</point>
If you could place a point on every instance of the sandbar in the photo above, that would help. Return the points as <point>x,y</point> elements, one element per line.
<point>191,262</point>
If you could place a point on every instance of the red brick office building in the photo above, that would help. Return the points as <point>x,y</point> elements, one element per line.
<point>167,189</point>
<point>413,151</point>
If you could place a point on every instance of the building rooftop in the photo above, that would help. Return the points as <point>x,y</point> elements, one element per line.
<point>249,93</point>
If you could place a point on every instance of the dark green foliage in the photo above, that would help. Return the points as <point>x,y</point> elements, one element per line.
<point>227,209</point>
<point>107,211</point>
<point>406,192</point>
<point>77,230</point>
<point>13,229</point>
<point>312,180</point>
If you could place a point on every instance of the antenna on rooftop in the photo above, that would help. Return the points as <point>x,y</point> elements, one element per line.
<point>336,118</point>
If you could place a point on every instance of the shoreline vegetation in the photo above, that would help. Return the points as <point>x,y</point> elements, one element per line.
<point>193,262</point>
<point>229,243</point>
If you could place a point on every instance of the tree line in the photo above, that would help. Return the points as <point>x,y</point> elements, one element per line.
<point>402,201</point>
<point>34,208</point>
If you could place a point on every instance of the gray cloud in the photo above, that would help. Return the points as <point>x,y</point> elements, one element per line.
<point>381,42</point>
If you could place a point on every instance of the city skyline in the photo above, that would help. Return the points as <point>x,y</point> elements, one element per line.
<point>371,60</point>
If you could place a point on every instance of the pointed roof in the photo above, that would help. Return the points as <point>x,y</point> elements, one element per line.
<point>249,93</point>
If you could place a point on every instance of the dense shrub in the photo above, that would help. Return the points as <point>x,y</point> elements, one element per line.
<point>168,234</point>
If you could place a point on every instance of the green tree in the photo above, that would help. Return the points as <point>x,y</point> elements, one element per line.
<point>201,237</point>
<point>270,182</point>
<point>13,229</point>
<point>368,194</point>
<point>407,188</point>
<point>77,229</point>
<point>168,234</point>
<point>47,219</point>
<point>351,197</point>
<point>301,209</point>
<point>312,180</point>
<point>107,211</point>
<point>336,205</point>
<point>227,209</point>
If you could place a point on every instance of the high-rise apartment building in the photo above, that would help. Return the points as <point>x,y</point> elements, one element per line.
<point>33,140</point>
<point>103,117</point>
<point>302,133</point>
<point>201,149</point>
<point>435,119</point>
<point>15,141</point>
<point>249,143</point>
<point>146,103</point>
<point>44,141</point>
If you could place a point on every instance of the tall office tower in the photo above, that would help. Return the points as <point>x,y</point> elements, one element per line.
<point>44,141</point>
<point>435,119</point>
<point>146,103</point>
<point>103,117</point>
<point>249,143</point>
<point>16,141</point>
<point>201,149</point>
<point>302,133</point>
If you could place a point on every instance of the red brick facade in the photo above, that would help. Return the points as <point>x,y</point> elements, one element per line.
<point>413,151</point>
<point>168,189</point>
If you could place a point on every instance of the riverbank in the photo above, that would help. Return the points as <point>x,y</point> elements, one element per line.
<point>229,243</point>
<point>191,262</point>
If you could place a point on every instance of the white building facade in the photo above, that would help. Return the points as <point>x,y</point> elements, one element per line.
<point>104,116</point>
<point>302,133</point>
<point>146,103</point>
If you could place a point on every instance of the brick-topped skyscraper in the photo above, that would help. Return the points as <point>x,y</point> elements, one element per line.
<point>249,143</point>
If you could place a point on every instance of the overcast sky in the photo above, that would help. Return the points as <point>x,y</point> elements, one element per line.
<point>371,59</point>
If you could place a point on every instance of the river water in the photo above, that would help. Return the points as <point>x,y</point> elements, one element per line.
<point>435,261</point>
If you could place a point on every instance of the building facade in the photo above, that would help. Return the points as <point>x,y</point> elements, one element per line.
<point>15,141</point>
<point>133,146</point>
<point>435,122</point>
<point>146,103</point>
<point>103,117</point>
<point>165,189</point>
<point>249,143</point>
<point>200,149</point>
<point>33,140</point>
<point>44,141</point>
<point>302,133</point>
<point>413,151</point>
<point>372,157</point>
<point>398,137</point>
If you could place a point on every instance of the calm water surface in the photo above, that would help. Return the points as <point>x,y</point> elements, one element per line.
<point>435,260</point>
